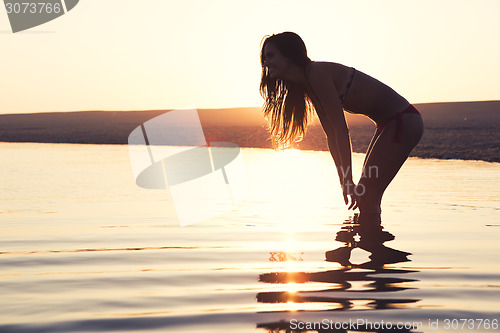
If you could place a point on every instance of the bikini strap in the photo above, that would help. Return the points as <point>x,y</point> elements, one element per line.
<point>347,87</point>
<point>399,122</point>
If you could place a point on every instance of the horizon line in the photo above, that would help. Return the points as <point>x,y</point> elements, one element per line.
<point>212,108</point>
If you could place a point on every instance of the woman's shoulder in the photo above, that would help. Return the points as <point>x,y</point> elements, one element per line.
<point>322,68</point>
<point>327,65</point>
<point>321,72</point>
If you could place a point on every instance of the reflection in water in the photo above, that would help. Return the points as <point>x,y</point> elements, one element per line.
<point>285,256</point>
<point>369,239</point>
<point>350,288</point>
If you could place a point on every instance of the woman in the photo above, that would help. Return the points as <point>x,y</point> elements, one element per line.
<point>292,85</point>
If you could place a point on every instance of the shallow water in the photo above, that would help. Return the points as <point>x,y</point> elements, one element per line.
<point>83,249</point>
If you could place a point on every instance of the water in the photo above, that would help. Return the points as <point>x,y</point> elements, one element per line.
<point>83,249</point>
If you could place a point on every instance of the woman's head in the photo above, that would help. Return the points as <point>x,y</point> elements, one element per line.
<point>287,106</point>
<point>288,45</point>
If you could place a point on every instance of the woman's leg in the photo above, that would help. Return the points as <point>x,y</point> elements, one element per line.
<point>373,216</point>
<point>370,146</point>
<point>382,163</point>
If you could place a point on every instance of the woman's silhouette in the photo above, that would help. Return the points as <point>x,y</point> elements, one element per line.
<point>293,85</point>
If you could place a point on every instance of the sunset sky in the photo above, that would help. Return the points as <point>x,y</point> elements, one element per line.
<point>160,54</point>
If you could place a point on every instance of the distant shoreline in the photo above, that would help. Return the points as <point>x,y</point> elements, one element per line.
<point>460,130</point>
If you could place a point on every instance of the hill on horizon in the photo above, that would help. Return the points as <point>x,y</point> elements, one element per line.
<point>465,130</point>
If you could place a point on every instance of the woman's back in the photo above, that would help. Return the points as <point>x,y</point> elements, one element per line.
<point>365,94</point>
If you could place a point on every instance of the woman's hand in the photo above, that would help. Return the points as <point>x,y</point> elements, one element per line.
<point>349,190</point>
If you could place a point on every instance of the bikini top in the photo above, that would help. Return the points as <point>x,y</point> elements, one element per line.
<point>343,96</point>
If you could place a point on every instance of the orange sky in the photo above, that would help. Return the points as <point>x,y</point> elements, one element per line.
<point>158,54</point>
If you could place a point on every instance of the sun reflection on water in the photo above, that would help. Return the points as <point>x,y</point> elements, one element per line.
<point>297,286</point>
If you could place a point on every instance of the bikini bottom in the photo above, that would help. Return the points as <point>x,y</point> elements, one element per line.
<point>399,126</point>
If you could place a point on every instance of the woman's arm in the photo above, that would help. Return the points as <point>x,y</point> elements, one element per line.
<point>334,124</point>
<point>332,145</point>
<point>333,121</point>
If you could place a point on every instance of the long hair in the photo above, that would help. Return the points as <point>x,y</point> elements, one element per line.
<point>287,107</point>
